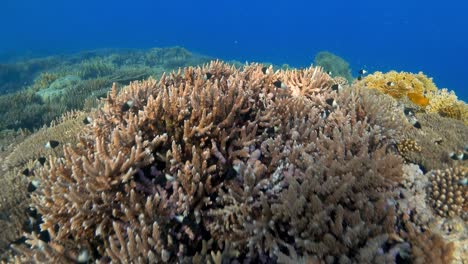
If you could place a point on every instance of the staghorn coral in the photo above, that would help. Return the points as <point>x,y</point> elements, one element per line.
<point>304,203</point>
<point>18,160</point>
<point>13,194</point>
<point>94,68</point>
<point>428,247</point>
<point>13,204</point>
<point>44,89</point>
<point>64,130</point>
<point>263,164</point>
<point>448,191</point>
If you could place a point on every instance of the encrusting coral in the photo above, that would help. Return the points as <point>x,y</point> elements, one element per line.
<point>438,139</point>
<point>215,163</point>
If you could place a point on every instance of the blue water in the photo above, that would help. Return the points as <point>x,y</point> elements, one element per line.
<point>429,36</point>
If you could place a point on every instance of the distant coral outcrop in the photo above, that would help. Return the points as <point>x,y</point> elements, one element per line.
<point>333,64</point>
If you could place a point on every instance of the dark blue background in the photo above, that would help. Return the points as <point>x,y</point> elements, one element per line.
<point>429,36</point>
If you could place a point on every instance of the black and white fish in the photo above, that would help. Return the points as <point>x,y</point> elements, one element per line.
<point>280,84</point>
<point>208,75</point>
<point>125,107</point>
<point>362,71</point>
<point>87,120</point>
<point>52,144</point>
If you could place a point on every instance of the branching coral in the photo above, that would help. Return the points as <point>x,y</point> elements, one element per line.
<point>262,164</point>
<point>64,130</point>
<point>13,203</point>
<point>428,247</point>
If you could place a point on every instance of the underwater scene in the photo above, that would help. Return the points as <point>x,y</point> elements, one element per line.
<point>233,132</point>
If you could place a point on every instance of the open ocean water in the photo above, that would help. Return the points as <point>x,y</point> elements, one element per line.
<point>429,36</point>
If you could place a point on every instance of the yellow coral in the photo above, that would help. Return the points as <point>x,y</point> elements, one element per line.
<point>447,104</point>
<point>402,84</point>
<point>421,90</point>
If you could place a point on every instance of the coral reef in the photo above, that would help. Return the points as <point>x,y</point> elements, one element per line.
<point>95,68</point>
<point>13,194</point>
<point>418,90</point>
<point>26,110</point>
<point>64,130</point>
<point>439,138</point>
<point>333,64</point>
<point>44,80</point>
<point>58,87</point>
<point>446,104</point>
<point>448,191</point>
<point>402,85</point>
<point>20,155</point>
<point>13,205</point>
<point>415,202</point>
<point>15,76</point>
<point>49,87</point>
<point>216,164</point>
<point>407,146</point>
<point>428,247</point>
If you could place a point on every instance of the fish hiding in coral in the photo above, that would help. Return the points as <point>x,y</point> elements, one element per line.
<point>52,144</point>
<point>280,84</point>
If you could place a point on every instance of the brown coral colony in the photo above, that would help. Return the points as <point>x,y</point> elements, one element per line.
<point>449,191</point>
<point>213,164</point>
